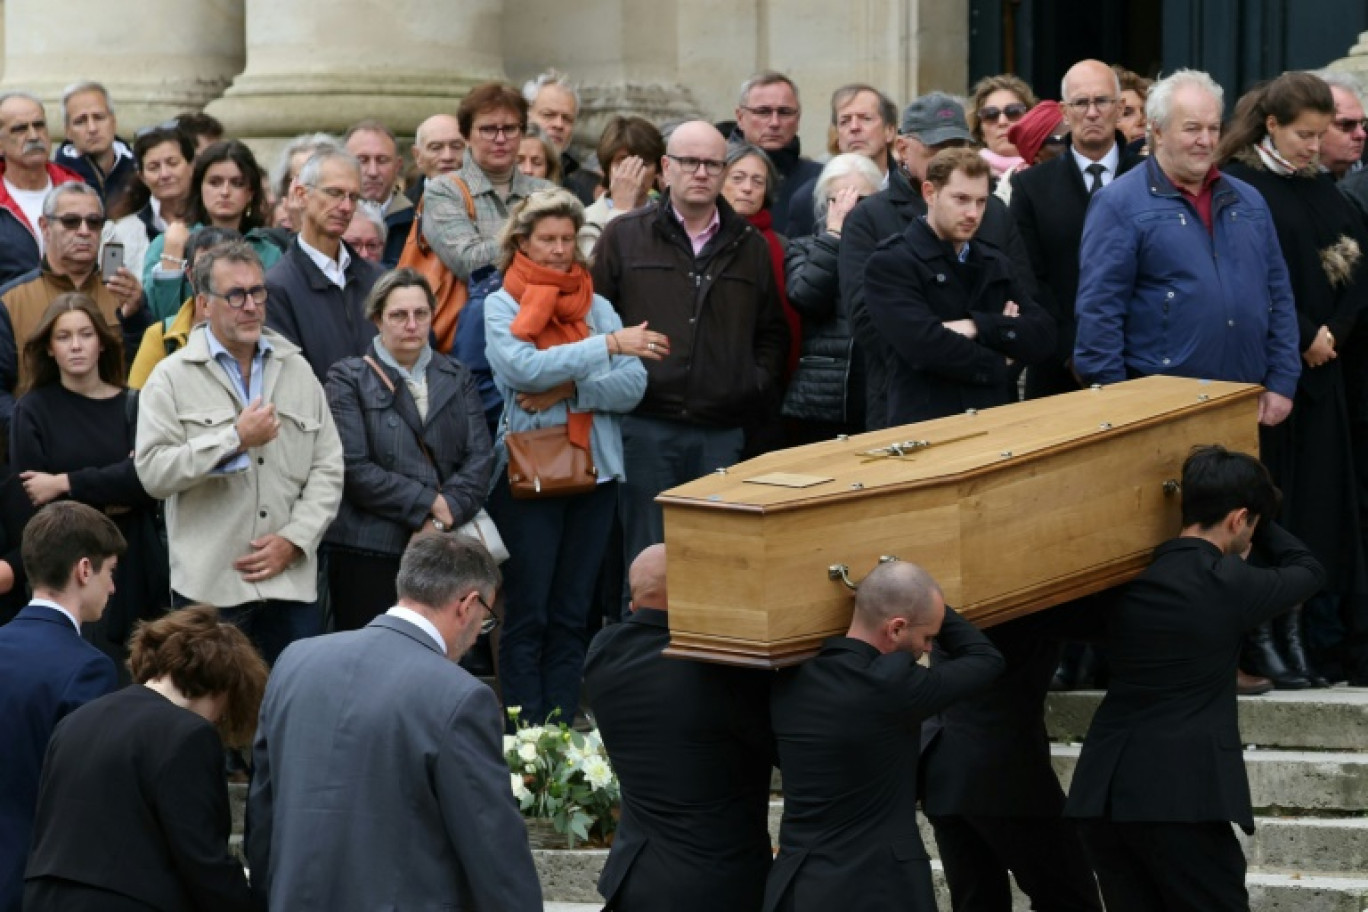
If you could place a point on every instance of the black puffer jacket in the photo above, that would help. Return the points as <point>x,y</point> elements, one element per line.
<point>827,385</point>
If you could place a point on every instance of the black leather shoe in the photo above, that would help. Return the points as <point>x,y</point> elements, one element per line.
<point>1289,625</point>
<point>1262,660</point>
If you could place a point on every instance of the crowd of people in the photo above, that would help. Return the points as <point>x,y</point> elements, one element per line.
<point>411,406</point>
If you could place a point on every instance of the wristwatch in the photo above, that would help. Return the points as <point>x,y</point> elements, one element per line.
<point>439,525</point>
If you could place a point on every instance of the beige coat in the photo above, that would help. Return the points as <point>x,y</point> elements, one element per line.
<point>293,486</point>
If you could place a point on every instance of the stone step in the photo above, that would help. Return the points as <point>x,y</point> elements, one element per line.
<point>1283,779</point>
<point>1333,719</point>
<point>570,877</point>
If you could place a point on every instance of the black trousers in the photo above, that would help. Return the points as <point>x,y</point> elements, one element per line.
<point>1167,867</point>
<point>1043,854</point>
<point>361,586</point>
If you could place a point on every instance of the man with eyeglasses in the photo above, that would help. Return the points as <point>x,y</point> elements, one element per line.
<point>366,234</point>
<point>463,212</point>
<point>377,151</point>
<point>70,226</point>
<point>1049,203</point>
<point>319,287</point>
<point>931,123</point>
<point>379,776</point>
<point>701,275</point>
<point>26,178</point>
<point>767,115</point>
<point>235,434</point>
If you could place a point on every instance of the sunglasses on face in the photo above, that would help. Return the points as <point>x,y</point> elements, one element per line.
<point>1014,112</point>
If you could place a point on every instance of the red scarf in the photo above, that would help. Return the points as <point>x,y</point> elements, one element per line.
<point>552,306</point>
<point>764,223</point>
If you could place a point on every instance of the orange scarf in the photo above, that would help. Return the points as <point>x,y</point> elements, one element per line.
<point>552,306</point>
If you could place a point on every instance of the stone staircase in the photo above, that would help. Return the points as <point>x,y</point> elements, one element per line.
<point>1307,756</point>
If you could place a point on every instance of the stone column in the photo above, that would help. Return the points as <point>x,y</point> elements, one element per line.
<point>325,64</point>
<point>165,57</point>
<point>623,54</point>
<point>1357,61</point>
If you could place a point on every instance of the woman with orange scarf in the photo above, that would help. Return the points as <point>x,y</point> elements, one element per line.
<point>560,356</point>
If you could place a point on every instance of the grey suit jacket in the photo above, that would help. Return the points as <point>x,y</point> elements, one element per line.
<point>380,782</point>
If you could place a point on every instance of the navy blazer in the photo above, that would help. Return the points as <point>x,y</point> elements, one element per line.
<point>1165,743</point>
<point>46,671</point>
<point>390,484</point>
<point>695,778</point>
<point>848,725</point>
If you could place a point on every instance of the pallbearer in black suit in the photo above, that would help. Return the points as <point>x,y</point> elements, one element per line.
<point>133,809</point>
<point>848,727</point>
<point>691,746</point>
<point>1050,201</point>
<point>1161,776</point>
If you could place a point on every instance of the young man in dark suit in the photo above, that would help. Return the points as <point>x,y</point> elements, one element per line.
<point>848,727</point>
<point>691,745</point>
<point>46,670</point>
<point>1161,776</point>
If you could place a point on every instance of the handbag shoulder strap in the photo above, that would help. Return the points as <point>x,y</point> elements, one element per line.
<point>418,212</point>
<point>389,385</point>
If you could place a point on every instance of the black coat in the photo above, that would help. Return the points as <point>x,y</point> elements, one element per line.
<point>1310,454</point>
<point>691,746</point>
<point>848,727</point>
<point>882,216</point>
<point>133,801</point>
<point>1165,745</point>
<point>326,322</point>
<point>913,284</point>
<point>1049,203</point>
<point>827,385</point>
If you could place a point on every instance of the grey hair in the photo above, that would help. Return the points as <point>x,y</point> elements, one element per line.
<point>27,96</point>
<point>550,78</point>
<point>438,569</point>
<point>70,188</point>
<point>888,110</point>
<point>370,214</point>
<point>1159,102</point>
<point>1064,84</point>
<point>1338,79</point>
<point>371,125</point>
<point>227,252</point>
<point>896,589</point>
<point>305,142</point>
<point>308,175</point>
<point>766,78</point>
<point>552,202</point>
<point>739,150</point>
<point>76,88</point>
<point>840,166</point>
<point>387,284</point>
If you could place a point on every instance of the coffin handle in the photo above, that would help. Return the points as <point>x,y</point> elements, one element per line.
<point>841,572</point>
<point>1173,486</point>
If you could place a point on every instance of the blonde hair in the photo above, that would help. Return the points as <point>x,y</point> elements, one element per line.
<point>553,202</point>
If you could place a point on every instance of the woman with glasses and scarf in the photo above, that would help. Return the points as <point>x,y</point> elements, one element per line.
<point>998,102</point>
<point>1273,143</point>
<point>560,357</point>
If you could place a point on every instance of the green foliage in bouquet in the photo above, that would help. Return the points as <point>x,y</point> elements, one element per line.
<point>563,776</point>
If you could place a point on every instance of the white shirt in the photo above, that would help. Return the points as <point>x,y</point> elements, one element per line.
<point>1109,162</point>
<point>334,271</point>
<point>31,203</point>
<point>422,623</point>
<point>56,607</point>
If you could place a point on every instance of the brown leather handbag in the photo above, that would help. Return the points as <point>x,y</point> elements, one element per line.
<point>544,463</point>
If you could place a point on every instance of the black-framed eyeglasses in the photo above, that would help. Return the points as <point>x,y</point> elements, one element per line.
<point>1348,125</point>
<point>237,297</point>
<point>489,624</point>
<point>711,166</point>
<point>72,222</point>
<point>492,131</point>
<point>1014,112</point>
<point>1053,140</point>
<point>1081,105</point>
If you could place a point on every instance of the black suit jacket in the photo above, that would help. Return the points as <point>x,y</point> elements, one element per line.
<point>1165,743</point>
<point>134,801</point>
<point>691,745</point>
<point>848,727</point>
<point>1049,203</point>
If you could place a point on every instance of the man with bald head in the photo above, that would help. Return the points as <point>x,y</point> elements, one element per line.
<point>701,274</point>
<point>691,746</point>
<point>438,148</point>
<point>1054,199</point>
<point>848,728</point>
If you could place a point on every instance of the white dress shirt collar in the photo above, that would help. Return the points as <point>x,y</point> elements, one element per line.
<point>422,623</point>
<point>46,603</point>
<point>334,270</point>
<point>1110,162</point>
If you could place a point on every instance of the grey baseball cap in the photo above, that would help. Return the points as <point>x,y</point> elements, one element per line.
<point>935,118</point>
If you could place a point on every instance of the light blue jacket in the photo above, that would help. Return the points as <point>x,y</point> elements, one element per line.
<point>607,385</point>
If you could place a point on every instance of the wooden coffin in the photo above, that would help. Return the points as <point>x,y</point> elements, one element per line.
<point>1011,509</point>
